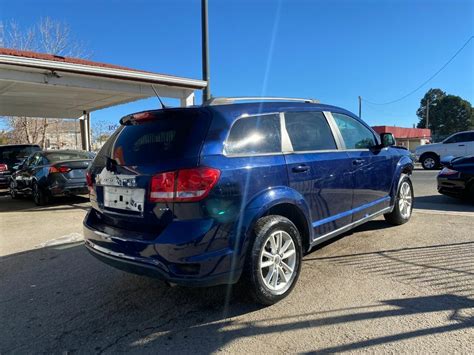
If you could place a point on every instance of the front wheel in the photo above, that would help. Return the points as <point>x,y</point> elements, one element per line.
<point>274,260</point>
<point>13,193</point>
<point>403,205</point>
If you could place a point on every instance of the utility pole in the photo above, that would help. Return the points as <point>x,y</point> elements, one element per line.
<point>206,94</point>
<point>427,113</point>
<point>360,107</point>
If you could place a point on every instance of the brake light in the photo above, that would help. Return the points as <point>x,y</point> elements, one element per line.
<point>59,169</point>
<point>186,185</point>
<point>3,167</point>
<point>162,187</point>
<point>89,180</point>
<point>447,171</point>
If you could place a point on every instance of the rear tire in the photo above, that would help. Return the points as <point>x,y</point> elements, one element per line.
<point>430,161</point>
<point>403,204</point>
<point>39,195</point>
<point>273,262</point>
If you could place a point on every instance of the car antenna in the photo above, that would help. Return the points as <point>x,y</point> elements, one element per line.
<point>158,96</point>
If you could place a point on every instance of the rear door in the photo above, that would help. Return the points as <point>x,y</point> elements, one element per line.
<point>318,170</point>
<point>470,144</point>
<point>145,145</point>
<point>372,169</point>
<point>456,145</point>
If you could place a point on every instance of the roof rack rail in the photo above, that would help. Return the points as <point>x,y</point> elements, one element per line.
<point>230,100</point>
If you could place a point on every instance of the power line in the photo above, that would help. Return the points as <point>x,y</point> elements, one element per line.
<point>426,81</point>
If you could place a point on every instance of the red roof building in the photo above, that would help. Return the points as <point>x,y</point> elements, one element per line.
<point>407,137</point>
<point>403,132</point>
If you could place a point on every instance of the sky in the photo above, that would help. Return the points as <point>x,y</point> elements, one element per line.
<point>332,50</point>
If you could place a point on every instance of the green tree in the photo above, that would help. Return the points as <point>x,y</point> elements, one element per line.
<point>434,96</point>
<point>447,113</point>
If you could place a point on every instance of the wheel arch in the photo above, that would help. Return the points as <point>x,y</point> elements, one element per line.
<point>282,201</point>
<point>404,166</point>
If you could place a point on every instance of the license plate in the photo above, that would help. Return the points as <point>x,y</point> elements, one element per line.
<point>123,198</point>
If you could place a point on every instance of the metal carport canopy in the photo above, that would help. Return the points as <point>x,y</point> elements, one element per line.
<point>41,85</point>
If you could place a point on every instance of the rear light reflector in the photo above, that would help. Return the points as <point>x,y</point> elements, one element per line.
<point>59,169</point>
<point>3,167</point>
<point>89,180</point>
<point>162,187</point>
<point>186,185</point>
<point>447,171</point>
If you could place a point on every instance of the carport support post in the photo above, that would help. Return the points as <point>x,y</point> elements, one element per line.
<point>187,100</point>
<point>85,127</point>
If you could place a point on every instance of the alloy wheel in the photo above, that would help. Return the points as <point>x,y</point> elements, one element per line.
<point>405,200</point>
<point>429,163</point>
<point>12,189</point>
<point>278,261</point>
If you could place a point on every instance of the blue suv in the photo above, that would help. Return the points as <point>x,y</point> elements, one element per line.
<point>233,190</point>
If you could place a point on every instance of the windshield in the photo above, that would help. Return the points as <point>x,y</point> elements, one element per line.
<point>15,154</point>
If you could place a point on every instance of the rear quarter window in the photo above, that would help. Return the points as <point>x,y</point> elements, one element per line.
<point>255,135</point>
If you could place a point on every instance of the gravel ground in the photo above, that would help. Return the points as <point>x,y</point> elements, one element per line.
<point>407,289</point>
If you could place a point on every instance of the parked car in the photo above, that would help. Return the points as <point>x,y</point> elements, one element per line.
<point>10,156</point>
<point>52,173</point>
<point>212,194</point>
<point>457,145</point>
<point>457,178</point>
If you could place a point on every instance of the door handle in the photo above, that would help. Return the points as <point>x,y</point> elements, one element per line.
<point>300,168</point>
<point>358,162</point>
<point>460,145</point>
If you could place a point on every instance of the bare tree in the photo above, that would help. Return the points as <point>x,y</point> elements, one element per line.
<point>47,36</point>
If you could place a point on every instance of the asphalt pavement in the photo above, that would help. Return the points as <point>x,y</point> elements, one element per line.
<point>406,289</point>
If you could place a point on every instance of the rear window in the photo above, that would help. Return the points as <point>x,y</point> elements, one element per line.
<point>309,131</point>
<point>55,157</point>
<point>169,135</point>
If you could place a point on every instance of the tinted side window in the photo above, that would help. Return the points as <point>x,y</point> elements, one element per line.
<point>255,135</point>
<point>354,133</point>
<point>464,137</point>
<point>454,139</point>
<point>309,131</point>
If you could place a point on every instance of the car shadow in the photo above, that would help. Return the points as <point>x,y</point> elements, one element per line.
<point>26,204</point>
<point>443,203</point>
<point>60,299</point>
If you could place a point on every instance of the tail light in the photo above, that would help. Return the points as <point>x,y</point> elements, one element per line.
<point>59,169</point>
<point>3,167</point>
<point>89,180</point>
<point>447,171</point>
<point>186,185</point>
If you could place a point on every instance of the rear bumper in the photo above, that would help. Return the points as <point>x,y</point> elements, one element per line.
<point>4,181</point>
<point>452,187</point>
<point>187,265</point>
<point>66,189</point>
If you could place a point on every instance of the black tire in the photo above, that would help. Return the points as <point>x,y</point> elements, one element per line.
<point>266,228</point>
<point>429,161</point>
<point>14,195</point>
<point>399,215</point>
<point>39,195</point>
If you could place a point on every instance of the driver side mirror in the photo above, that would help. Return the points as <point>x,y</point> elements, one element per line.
<point>388,140</point>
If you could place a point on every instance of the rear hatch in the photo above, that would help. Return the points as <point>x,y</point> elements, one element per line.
<point>145,146</point>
